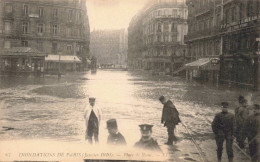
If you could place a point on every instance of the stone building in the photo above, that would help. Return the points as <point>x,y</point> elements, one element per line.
<point>53,27</point>
<point>156,37</point>
<point>223,41</point>
<point>109,46</point>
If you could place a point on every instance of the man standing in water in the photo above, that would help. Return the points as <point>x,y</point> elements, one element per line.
<point>170,118</point>
<point>223,127</point>
<point>92,117</point>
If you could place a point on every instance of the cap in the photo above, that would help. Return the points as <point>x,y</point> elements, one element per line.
<point>92,99</point>
<point>256,106</point>
<point>112,123</point>
<point>224,104</point>
<point>161,98</point>
<point>145,127</point>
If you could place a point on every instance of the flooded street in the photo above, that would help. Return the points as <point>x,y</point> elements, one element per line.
<point>51,109</point>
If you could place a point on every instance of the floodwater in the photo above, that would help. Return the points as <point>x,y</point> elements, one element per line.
<point>51,109</point>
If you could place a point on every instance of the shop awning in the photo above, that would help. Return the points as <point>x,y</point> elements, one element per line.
<point>204,64</point>
<point>22,51</point>
<point>62,58</point>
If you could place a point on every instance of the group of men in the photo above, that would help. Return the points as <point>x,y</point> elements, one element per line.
<point>244,124</point>
<point>170,118</point>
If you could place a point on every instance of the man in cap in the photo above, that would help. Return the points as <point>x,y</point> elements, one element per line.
<point>115,137</point>
<point>241,114</point>
<point>223,126</point>
<point>92,117</point>
<point>251,131</point>
<point>147,142</point>
<point>170,118</point>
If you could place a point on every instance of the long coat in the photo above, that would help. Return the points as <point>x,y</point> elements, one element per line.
<point>170,114</point>
<point>224,124</point>
<point>87,113</point>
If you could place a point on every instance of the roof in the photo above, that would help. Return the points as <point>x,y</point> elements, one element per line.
<point>62,58</point>
<point>203,63</point>
<point>22,51</point>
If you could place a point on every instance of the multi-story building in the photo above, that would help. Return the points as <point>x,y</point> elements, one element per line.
<point>156,36</point>
<point>109,46</point>
<point>53,27</point>
<point>223,41</point>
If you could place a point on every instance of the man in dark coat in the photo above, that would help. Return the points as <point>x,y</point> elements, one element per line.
<point>241,114</point>
<point>147,142</point>
<point>170,118</point>
<point>223,126</point>
<point>115,137</point>
<point>251,131</point>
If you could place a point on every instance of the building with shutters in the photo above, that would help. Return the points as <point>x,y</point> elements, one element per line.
<point>223,42</point>
<point>53,27</point>
<point>156,37</point>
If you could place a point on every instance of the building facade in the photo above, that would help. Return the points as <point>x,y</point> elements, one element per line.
<point>109,46</point>
<point>226,34</point>
<point>156,37</point>
<point>58,27</point>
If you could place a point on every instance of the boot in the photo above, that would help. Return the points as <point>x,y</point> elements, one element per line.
<point>230,159</point>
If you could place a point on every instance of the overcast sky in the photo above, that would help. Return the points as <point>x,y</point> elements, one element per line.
<point>112,14</point>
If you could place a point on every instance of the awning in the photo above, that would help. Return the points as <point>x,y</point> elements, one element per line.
<point>62,58</point>
<point>204,64</point>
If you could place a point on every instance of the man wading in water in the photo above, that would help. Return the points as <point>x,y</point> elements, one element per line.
<point>170,118</point>
<point>92,117</point>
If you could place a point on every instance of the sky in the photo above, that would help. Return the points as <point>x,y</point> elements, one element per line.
<point>112,14</point>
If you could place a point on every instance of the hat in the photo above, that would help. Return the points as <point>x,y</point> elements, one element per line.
<point>145,127</point>
<point>161,98</point>
<point>92,99</point>
<point>224,104</point>
<point>256,106</point>
<point>112,123</point>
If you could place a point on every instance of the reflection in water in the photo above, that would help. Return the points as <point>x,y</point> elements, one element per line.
<point>48,108</point>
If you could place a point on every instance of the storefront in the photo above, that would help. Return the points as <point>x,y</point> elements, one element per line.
<point>22,60</point>
<point>56,63</point>
<point>203,69</point>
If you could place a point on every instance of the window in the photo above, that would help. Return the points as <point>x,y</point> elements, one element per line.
<point>40,46</point>
<point>55,29</point>
<point>159,38</point>
<point>7,44</point>
<point>233,14</point>
<point>165,38</point>
<point>25,10</point>
<point>173,27</point>
<point>24,43</point>
<point>174,13</point>
<point>8,8</point>
<point>166,12</point>
<point>40,11</point>
<point>54,48</point>
<point>69,48</point>
<point>55,12</point>
<point>159,27</point>
<point>159,13</point>
<point>166,27</point>
<point>40,28</point>
<point>70,15</point>
<point>7,28</point>
<point>25,26</point>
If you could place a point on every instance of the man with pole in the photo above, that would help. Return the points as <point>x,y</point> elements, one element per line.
<point>170,118</point>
